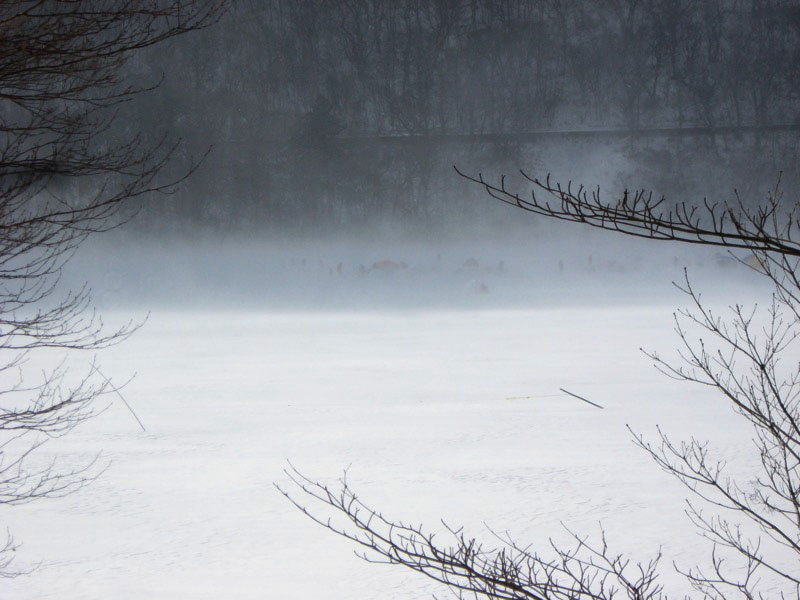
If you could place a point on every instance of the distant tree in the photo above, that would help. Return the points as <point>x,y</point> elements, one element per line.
<point>66,172</point>
<point>752,524</point>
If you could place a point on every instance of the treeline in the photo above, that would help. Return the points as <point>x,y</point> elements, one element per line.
<point>343,111</point>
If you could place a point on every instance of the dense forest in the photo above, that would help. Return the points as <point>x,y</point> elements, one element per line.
<point>347,112</point>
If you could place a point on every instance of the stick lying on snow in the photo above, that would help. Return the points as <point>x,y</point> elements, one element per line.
<point>554,396</point>
<point>580,398</point>
<point>121,397</point>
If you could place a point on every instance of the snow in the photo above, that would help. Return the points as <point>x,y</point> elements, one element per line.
<point>437,414</point>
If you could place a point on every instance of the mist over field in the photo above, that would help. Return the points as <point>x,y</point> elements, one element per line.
<point>315,286</point>
<point>540,267</point>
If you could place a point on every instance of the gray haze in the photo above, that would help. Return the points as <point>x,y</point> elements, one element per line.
<point>329,132</point>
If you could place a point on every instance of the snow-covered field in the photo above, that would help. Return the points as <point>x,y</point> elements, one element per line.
<point>438,414</point>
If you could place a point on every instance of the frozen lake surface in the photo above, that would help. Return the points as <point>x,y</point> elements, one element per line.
<point>453,415</point>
